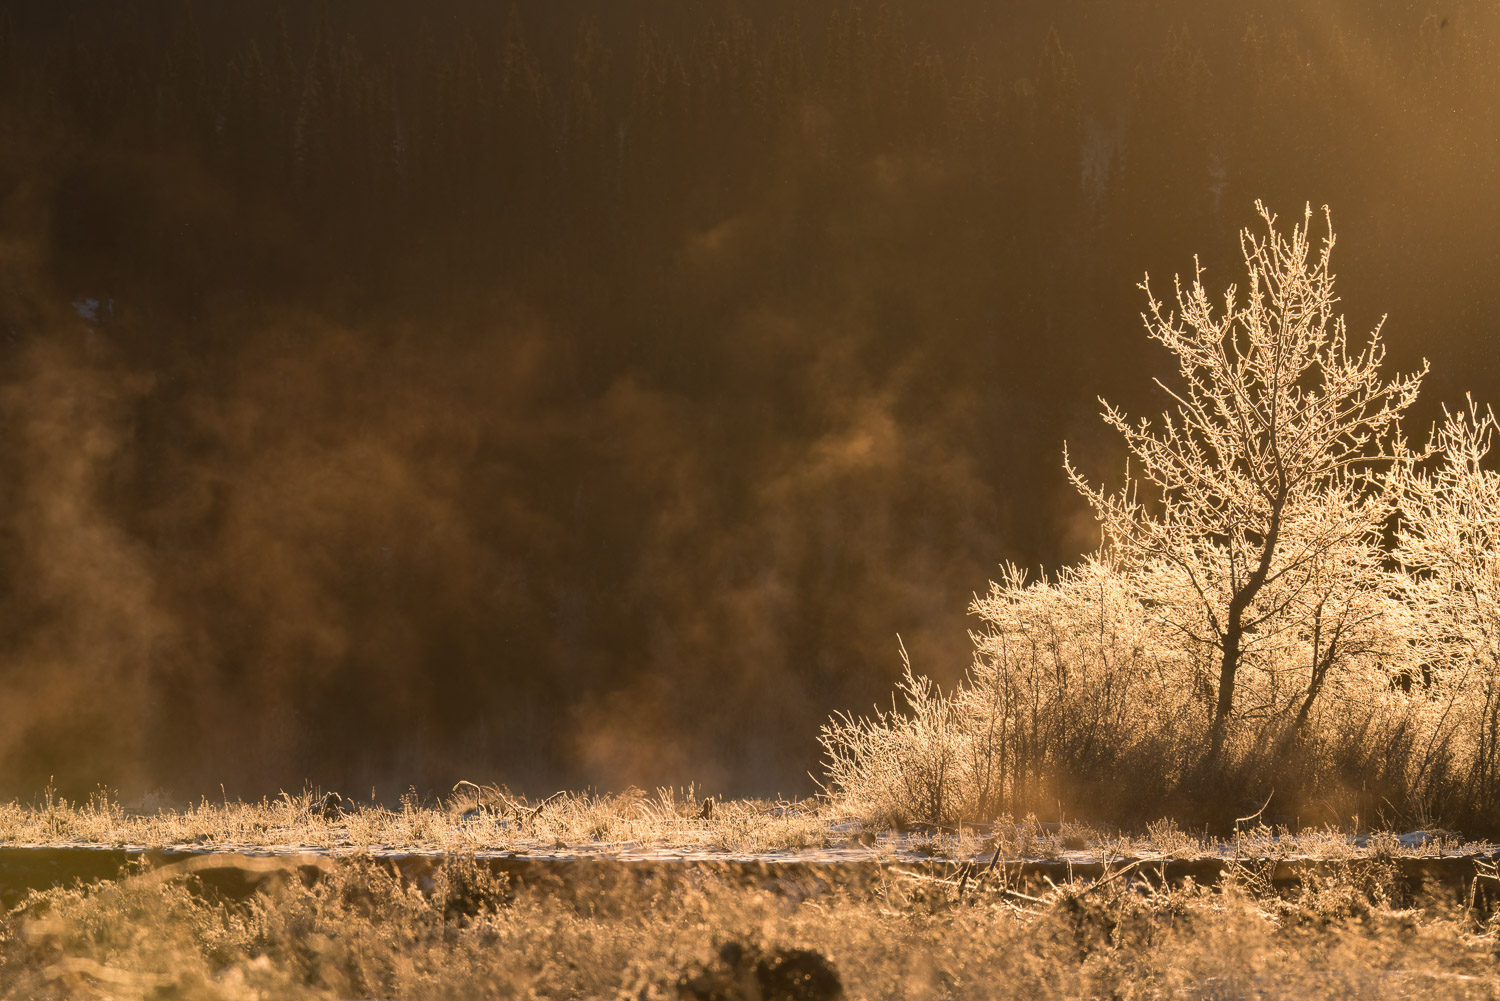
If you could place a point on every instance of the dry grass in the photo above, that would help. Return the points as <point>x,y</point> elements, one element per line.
<point>704,933</point>
<point>472,818</point>
<point>482,819</point>
<point>710,931</point>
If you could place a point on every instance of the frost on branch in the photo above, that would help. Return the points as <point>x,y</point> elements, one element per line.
<point>1252,510</point>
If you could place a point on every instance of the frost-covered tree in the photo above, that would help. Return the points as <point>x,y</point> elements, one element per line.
<point>1449,542</point>
<point>1253,509</point>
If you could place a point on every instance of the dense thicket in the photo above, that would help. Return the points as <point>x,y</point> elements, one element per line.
<point>567,394</point>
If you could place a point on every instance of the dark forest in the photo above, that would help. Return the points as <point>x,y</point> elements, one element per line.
<point>590,393</point>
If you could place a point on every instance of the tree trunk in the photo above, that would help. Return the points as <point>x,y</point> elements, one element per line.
<point>1228,667</point>
<point>1234,625</point>
<point>1322,661</point>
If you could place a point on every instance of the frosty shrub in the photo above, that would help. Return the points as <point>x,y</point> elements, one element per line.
<point>1062,671</point>
<point>1246,624</point>
<point>897,766</point>
<point>1449,544</point>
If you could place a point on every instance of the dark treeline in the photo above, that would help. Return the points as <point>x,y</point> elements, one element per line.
<point>404,392</point>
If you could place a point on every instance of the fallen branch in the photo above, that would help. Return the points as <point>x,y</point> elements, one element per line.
<point>545,803</point>
<point>258,865</point>
<point>525,815</point>
<point>1257,813</point>
<point>1113,876</point>
<point>78,965</point>
<point>963,881</point>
